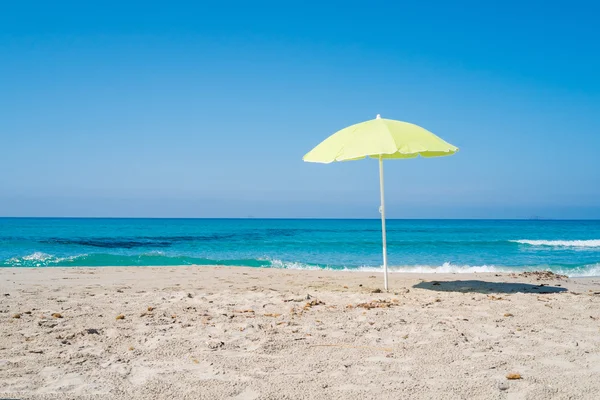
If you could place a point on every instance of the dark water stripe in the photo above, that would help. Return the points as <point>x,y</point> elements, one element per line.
<point>162,242</point>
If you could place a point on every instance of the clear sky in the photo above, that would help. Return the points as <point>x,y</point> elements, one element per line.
<point>204,109</point>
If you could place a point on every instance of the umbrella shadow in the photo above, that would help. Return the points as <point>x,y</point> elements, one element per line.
<point>475,286</point>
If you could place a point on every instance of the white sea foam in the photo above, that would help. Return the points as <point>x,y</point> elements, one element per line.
<point>293,265</point>
<point>447,268</point>
<point>39,259</point>
<point>444,268</point>
<point>560,243</point>
<point>37,256</point>
<point>153,253</point>
<point>580,272</point>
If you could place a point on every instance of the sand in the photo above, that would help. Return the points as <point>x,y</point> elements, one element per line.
<point>245,333</point>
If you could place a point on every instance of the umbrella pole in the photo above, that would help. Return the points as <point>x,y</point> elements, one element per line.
<point>382,211</point>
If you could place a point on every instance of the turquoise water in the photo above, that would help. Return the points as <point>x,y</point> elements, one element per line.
<point>571,247</point>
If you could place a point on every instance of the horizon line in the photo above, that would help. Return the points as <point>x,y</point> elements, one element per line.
<point>310,218</point>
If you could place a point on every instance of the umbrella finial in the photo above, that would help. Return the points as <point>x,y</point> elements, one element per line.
<point>378,116</point>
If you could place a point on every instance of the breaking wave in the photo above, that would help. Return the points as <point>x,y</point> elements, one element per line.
<point>560,243</point>
<point>157,258</point>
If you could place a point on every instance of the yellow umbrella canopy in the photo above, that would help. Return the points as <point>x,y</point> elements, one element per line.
<point>381,139</point>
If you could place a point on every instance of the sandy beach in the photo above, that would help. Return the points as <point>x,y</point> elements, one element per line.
<point>249,333</point>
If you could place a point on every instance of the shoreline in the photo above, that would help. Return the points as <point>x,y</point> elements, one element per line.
<point>423,270</point>
<point>254,333</point>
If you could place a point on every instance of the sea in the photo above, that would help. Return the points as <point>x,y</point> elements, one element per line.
<point>426,246</point>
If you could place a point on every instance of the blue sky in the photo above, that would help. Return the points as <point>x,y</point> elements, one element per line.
<point>199,109</point>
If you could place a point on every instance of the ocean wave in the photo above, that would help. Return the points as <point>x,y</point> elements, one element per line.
<point>580,272</point>
<point>297,265</point>
<point>158,258</point>
<point>153,258</point>
<point>37,258</point>
<point>577,272</point>
<point>444,268</point>
<point>560,243</point>
<point>448,268</point>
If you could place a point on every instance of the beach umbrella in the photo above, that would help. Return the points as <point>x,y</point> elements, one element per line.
<point>381,139</point>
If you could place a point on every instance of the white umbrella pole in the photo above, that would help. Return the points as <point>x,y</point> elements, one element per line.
<point>382,211</point>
